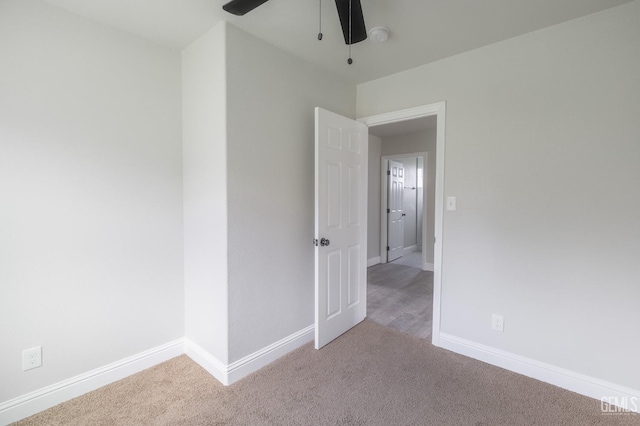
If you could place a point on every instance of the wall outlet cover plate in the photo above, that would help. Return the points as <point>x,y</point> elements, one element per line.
<point>32,358</point>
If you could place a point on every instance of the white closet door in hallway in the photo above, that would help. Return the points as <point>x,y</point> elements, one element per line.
<point>395,213</point>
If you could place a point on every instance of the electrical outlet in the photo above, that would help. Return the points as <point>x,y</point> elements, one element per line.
<point>32,358</point>
<point>497,322</point>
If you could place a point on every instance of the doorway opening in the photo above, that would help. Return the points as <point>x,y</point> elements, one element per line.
<point>403,294</point>
<point>406,208</point>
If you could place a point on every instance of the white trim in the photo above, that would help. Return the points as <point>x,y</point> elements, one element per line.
<point>439,110</point>
<point>427,267</point>
<point>403,114</point>
<point>410,249</point>
<point>247,365</point>
<point>229,374</point>
<point>213,365</point>
<point>439,219</point>
<point>384,219</point>
<point>41,399</point>
<point>34,402</point>
<point>561,377</point>
<point>373,261</point>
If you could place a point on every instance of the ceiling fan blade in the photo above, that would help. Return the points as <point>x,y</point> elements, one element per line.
<point>240,7</point>
<point>358,30</point>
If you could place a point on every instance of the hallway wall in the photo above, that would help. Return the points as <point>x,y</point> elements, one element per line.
<point>373,199</point>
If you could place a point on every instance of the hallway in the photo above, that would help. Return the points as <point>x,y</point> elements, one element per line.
<point>401,297</point>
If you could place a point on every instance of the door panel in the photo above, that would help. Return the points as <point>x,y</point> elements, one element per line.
<point>340,197</point>
<point>334,283</point>
<point>395,225</point>
<point>354,276</point>
<point>354,192</point>
<point>334,199</point>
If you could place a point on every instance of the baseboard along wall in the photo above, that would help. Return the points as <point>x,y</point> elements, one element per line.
<point>229,374</point>
<point>410,249</point>
<point>373,261</point>
<point>207,361</point>
<point>428,267</point>
<point>625,398</point>
<point>255,361</point>
<point>39,400</point>
<point>42,399</point>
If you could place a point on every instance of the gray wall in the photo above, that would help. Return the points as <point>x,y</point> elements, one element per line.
<point>373,200</point>
<point>91,207</point>
<point>271,96</point>
<point>204,130</point>
<point>542,152</point>
<point>407,143</point>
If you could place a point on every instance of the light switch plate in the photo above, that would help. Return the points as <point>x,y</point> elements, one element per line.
<point>451,203</point>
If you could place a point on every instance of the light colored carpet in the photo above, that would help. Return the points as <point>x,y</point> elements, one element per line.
<point>372,375</point>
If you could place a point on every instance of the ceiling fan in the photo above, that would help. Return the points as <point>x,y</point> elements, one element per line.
<point>349,11</point>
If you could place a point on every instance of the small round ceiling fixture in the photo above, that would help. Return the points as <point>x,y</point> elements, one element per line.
<point>378,34</point>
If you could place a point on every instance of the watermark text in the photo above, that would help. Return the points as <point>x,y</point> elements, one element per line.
<point>617,405</point>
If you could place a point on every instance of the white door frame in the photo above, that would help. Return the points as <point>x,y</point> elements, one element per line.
<point>383,203</point>
<point>437,109</point>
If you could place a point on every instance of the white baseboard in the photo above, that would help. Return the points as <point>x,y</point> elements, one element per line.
<point>373,261</point>
<point>207,361</point>
<point>229,374</point>
<point>585,385</point>
<point>247,365</point>
<point>410,249</point>
<point>34,402</point>
<point>428,267</point>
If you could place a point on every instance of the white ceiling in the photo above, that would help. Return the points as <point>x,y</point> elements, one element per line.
<point>421,31</point>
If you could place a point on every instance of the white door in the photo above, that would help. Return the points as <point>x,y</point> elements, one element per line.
<point>340,225</point>
<point>395,212</point>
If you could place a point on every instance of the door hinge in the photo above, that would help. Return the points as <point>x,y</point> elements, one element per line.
<point>388,210</point>
<point>315,242</point>
<point>388,172</point>
<point>387,248</point>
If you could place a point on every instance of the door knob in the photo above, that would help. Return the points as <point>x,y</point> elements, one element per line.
<point>324,242</point>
